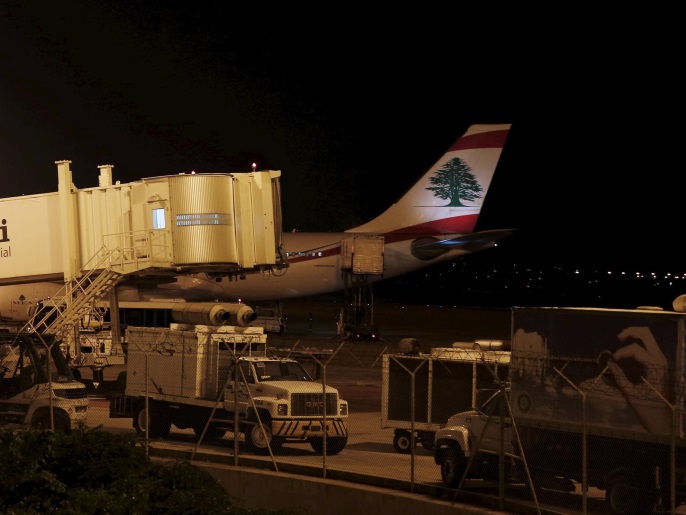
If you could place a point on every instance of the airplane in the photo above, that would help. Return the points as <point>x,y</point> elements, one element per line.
<point>432,223</point>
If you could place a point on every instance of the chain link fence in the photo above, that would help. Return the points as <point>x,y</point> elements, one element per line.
<point>523,429</point>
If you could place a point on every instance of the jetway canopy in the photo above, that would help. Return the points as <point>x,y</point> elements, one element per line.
<point>187,223</point>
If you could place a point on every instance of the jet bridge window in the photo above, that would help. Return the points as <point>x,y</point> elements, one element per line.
<point>158,220</point>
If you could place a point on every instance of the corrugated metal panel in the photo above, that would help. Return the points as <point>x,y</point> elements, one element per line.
<point>104,218</point>
<point>257,223</point>
<point>203,225</point>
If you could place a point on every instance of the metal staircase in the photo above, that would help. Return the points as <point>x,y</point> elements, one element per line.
<point>77,298</point>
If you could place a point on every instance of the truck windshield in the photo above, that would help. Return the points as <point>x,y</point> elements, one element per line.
<point>281,371</point>
<point>21,356</point>
<point>57,366</point>
<point>491,402</point>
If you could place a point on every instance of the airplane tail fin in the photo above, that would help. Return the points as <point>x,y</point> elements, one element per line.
<point>447,200</point>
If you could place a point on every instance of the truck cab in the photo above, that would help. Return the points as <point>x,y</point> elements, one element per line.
<point>475,440</point>
<point>35,377</point>
<point>278,401</point>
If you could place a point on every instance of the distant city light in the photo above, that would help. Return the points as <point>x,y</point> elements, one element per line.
<point>465,282</point>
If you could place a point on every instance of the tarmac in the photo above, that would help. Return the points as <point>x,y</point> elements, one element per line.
<point>314,320</point>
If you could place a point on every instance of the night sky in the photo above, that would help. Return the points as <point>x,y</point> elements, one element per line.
<point>353,108</point>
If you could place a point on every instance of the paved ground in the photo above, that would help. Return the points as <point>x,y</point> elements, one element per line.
<point>433,326</point>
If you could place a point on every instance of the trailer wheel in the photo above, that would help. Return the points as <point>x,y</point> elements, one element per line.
<point>334,445</point>
<point>453,464</point>
<point>160,425</point>
<point>260,438</point>
<point>624,496</point>
<point>403,442</point>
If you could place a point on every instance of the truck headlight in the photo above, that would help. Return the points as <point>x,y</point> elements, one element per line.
<point>282,409</point>
<point>344,408</point>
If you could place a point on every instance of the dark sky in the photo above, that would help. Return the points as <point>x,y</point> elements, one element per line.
<point>353,108</point>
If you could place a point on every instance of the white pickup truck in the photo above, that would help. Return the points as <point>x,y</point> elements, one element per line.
<point>476,438</point>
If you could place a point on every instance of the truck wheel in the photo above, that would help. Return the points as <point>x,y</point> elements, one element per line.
<point>160,425</point>
<point>41,420</point>
<point>403,441</point>
<point>427,439</point>
<point>334,445</point>
<point>260,438</point>
<point>625,497</point>
<point>453,464</point>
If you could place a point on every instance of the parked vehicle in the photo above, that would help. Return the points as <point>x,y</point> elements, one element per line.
<point>37,388</point>
<point>219,378</point>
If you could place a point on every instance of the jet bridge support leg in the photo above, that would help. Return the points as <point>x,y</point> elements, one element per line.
<point>115,325</point>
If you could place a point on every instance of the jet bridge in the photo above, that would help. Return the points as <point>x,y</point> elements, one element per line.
<point>165,225</point>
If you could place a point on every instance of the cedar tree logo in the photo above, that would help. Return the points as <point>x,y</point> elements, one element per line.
<point>455,182</point>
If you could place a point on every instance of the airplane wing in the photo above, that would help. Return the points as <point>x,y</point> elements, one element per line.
<point>429,248</point>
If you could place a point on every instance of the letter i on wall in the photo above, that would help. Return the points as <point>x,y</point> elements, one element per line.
<point>3,231</point>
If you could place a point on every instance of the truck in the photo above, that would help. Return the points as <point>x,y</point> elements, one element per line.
<point>595,400</point>
<point>437,384</point>
<point>216,378</point>
<point>270,317</point>
<point>37,388</point>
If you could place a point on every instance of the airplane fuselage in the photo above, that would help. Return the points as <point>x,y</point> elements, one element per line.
<point>314,267</point>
